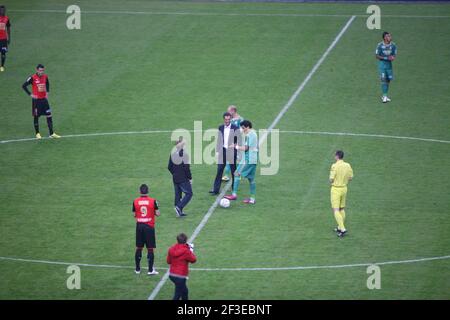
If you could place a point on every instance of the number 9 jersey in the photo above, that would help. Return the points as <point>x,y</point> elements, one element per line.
<point>144,209</point>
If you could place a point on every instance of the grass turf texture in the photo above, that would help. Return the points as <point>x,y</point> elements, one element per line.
<point>69,200</point>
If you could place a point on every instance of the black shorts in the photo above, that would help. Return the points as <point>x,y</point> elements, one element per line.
<point>4,45</point>
<point>145,235</point>
<point>40,107</point>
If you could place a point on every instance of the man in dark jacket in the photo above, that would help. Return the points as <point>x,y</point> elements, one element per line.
<point>182,178</point>
<point>228,137</point>
<point>179,256</point>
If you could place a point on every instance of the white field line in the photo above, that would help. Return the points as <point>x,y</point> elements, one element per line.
<point>261,140</point>
<point>82,135</point>
<point>120,133</point>
<point>230,14</point>
<point>327,266</point>
<point>66,263</point>
<point>237,269</point>
<point>308,77</point>
<point>365,135</point>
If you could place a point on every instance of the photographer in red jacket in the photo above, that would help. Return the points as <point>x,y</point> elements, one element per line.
<point>179,257</point>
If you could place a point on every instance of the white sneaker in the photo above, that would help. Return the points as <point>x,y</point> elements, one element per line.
<point>137,271</point>
<point>385,99</point>
<point>153,272</point>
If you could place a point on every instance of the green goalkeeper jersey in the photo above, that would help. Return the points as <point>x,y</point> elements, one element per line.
<point>251,141</point>
<point>386,50</point>
<point>237,121</point>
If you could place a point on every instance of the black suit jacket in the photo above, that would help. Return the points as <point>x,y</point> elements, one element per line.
<point>233,138</point>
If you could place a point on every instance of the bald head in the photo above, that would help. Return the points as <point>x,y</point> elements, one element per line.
<point>232,110</point>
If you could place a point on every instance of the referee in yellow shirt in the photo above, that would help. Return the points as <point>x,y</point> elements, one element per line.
<point>340,174</point>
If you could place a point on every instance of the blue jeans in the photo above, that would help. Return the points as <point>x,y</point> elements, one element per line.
<point>180,188</point>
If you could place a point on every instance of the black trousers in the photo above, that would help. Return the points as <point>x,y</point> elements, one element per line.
<point>181,289</point>
<point>224,157</point>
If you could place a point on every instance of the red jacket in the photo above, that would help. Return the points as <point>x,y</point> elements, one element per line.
<point>179,256</point>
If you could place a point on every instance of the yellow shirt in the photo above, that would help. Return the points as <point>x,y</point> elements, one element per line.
<point>341,172</point>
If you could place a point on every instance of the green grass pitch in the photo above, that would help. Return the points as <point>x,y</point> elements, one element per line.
<point>69,200</point>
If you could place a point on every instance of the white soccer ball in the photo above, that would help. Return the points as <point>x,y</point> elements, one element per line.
<point>224,203</point>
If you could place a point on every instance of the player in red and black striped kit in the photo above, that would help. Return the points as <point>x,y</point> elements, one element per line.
<point>40,88</point>
<point>145,210</point>
<point>5,36</point>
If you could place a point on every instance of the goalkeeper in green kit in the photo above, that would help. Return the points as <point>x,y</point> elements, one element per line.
<point>247,166</point>
<point>385,53</point>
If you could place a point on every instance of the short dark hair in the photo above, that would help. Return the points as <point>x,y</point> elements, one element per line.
<point>340,154</point>
<point>385,33</point>
<point>247,124</point>
<point>182,238</point>
<point>40,66</point>
<point>226,114</point>
<point>143,188</point>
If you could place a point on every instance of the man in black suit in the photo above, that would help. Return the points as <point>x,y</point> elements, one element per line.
<point>225,150</point>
